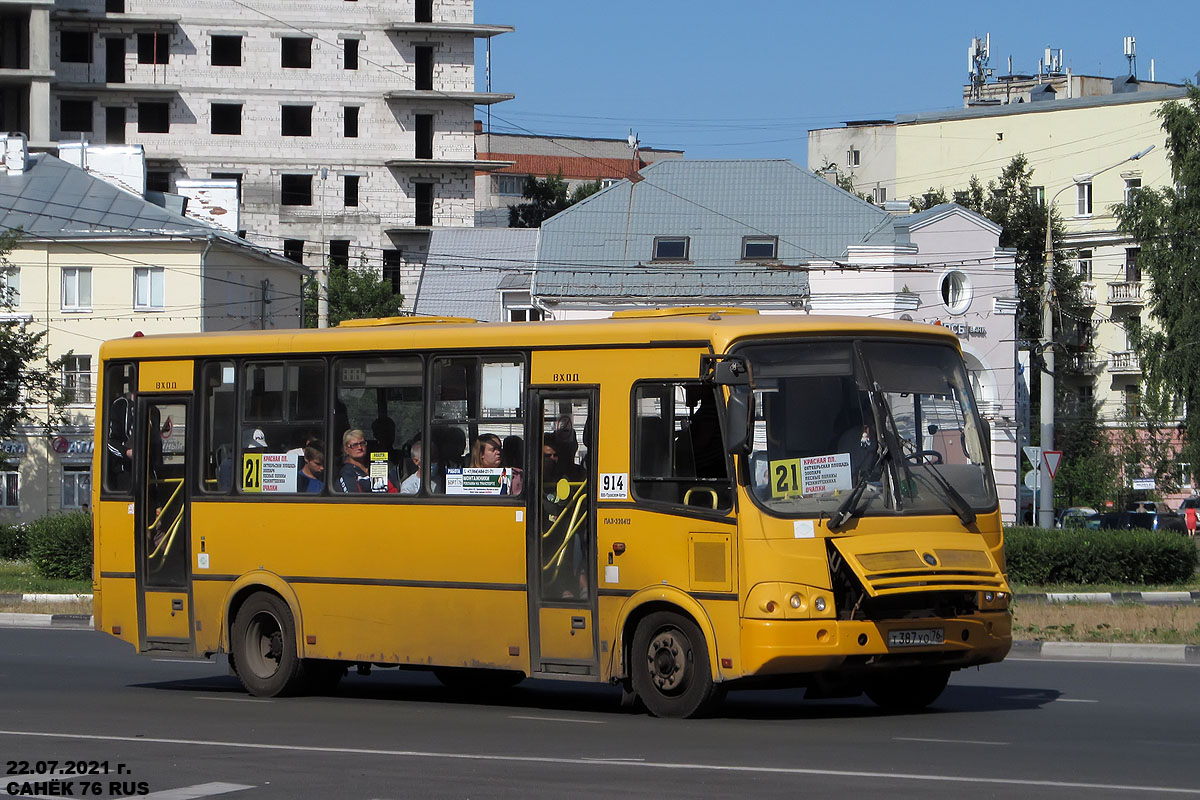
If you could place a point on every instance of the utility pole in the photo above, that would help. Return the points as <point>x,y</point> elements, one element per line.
<point>1045,496</point>
<point>323,267</point>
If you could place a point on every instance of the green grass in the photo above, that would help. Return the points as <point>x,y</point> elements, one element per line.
<point>19,577</point>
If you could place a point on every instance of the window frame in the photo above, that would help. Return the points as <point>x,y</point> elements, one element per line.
<point>152,122</point>
<point>289,51</point>
<point>350,52</point>
<point>504,177</point>
<point>227,129</point>
<point>78,392</point>
<point>687,247</point>
<point>147,303</point>
<point>351,186</point>
<point>285,193</point>
<point>296,120</point>
<point>151,53</point>
<point>83,42</point>
<point>76,106</point>
<point>750,241</point>
<point>351,122</point>
<point>10,284</point>
<point>15,496</point>
<point>72,277</point>
<point>226,45</point>
<point>1083,199</point>
<point>76,471</point>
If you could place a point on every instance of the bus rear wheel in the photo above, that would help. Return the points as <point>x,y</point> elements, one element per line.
<point>263,641</point>
<point>670,668</point>
<point>907,690</point>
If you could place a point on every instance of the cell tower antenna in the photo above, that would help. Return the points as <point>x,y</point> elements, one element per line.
<point>978,72</point>
<point>1131,54</point>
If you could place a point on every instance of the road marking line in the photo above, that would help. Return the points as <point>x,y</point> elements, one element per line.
<point>663,765</point>
<point>560,719</point>
<point>945,741</point>
<point>199,790</point>
<point>233,699</point>
<point>1073,700</point>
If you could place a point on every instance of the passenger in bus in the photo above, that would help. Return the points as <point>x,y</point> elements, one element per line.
<point>252,439</point>
<point>512,456</point>
<point>120,442</point>
<point>383,430</point>
<point>355,476</point>
<point>487,451</point>
<point>449,443</point>
<point>312,475</point>
<point>558,457</point>
<point>412,484</point>
<point>698,448</point>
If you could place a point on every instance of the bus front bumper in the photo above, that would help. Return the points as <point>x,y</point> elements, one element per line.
<point>779,647</point>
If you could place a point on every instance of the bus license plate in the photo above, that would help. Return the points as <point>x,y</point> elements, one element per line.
<point>921,637</point>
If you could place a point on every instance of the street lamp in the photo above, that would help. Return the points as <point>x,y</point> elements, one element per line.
<point>1046,499</point>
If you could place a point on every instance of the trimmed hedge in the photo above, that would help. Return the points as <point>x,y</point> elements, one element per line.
<point>14,542</point>
<point>1077,556</point>
<point>60,545</point>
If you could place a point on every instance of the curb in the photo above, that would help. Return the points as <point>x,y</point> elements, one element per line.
<point>1102,651</point>
<point>1112,598</point>
<point>77,621</point>
<point>46,598</point>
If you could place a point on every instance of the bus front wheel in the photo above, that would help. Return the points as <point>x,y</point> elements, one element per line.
<point>907,689</point>
<point>264,647</point>
<point>670,668</point>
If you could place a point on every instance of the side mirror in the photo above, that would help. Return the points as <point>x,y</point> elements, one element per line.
<point>739,416</point>
<point>985,432</point>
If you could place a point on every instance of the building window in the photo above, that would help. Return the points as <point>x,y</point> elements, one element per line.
<point>607,182</point>
<point>226,119</point>
<point>423,11</point>
<point>296,121</point>
<point>75,47</point>
<point>424,68</point>
<point>524,314</point>
<point>879,195</point>
<point>350,190</point>
<point>350,53</point>
<point>1083,199</point>
<point>75,116</point>
<point>77,289</point>
<point>154,117</point>
<point>226,51</point>
<point>1039,194</point>
<point>148,288</point>
<point>1085,265</point>
<point>10,489</point>
<point>295,190</point>
<point>158,180</point>
<point>510,184</point>
<point>339,253</point>
<point>1132,185</point>
<point>114,6</point>
<point>1185,475</point>
<point>393,269</point>
<point>1133,400</point>
<point>76,487</point>
<point>350,122</point>
<point>853,157</point>
<point>424,135</point>
<point>759,248</point>
<point>296,52</point>
<point>1133,272</point>
<point>1133,326</point>
<point>670,248</point>
<point>10,285</point>
<point>294,249</point>
<point>424,207</point>
<point>77,380</point>
<point>1087,394</point>
<point>153,48</point>
<point>956,291</point>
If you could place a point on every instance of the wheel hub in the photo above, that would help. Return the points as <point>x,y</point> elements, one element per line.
<point>668,661</point>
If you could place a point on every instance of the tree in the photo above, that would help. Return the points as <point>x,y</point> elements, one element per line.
<point>355,292</point>
<point>844,182</point>
<point>1090,474</point>
<point>30,382</point>
<point>1146,444</point>
<point>546,198</point>
<point>1165,223</point>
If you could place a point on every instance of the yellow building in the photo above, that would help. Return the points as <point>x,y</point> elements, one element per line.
<point>96,262</point>
<point>1079,149</point>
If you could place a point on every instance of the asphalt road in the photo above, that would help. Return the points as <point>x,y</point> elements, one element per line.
<point>175,729</point>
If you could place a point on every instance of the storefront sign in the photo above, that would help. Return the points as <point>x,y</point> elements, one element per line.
<point>962,330</point>
<point>13,448</point>
<point>72,447</point>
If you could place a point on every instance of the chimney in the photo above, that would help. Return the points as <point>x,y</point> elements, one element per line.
<point>16,153</point>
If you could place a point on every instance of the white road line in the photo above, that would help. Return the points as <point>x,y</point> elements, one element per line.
<point>945,741</point>
<point>664,765</point>
<point>232,699</point>
<point>1073,700</point>
<point>199,790</point>
<point>561,719</point>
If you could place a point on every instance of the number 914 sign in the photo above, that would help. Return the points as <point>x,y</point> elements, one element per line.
<point>614,486</point>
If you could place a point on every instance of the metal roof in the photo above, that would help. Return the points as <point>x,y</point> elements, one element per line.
<point>602,247</point>
<point>467,268</point>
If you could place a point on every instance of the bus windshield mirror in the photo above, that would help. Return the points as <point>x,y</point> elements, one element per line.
<point>739,417</point>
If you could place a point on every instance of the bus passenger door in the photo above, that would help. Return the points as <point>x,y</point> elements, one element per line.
<point>162,516</point>
<point>562,533</point>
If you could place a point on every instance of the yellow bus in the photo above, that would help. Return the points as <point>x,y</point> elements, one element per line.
<point>678,501</point>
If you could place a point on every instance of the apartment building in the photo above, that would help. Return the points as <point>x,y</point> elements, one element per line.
<point>1079,148</point>
<point>347,124</point>
<point>97,262</point>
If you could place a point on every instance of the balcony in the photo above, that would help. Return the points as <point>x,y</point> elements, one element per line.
<point>1085,363</point>
<point>1125,293</point>
<point>1087,293</point>
<point>1125,362</point>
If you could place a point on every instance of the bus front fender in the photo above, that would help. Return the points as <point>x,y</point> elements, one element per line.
<point>647,601</point>
<point>261,580</point>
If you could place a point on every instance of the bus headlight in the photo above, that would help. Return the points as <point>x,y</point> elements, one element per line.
<point>796,600</point>
<point>994,601</point>
<point>819,604</point>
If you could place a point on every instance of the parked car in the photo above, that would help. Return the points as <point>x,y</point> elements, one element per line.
<point>1138,519</point>
<point>1075,516</point>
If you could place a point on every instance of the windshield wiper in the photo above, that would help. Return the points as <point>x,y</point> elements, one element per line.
<point>957,502</point>
<point>849,507</point>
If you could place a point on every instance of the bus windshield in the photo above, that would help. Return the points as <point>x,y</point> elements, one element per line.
<point>861,428</point>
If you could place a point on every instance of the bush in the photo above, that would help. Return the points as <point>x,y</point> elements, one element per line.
<point>14,542</point>
<point>60,545</point>
<point>1078,556</point>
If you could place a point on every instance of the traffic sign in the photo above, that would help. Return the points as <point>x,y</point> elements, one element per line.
<point>1031,480</point>
<point>1053,458</point>
<point>1034,454</point>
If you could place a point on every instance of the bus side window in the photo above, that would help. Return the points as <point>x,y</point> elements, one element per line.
<point>218,418</point>
<point>678,456</point>
<point>119,384</point>
<point>383,399</point>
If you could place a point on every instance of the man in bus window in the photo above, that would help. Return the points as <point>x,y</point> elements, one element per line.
<point>120,442</point>
<point>412,484</point>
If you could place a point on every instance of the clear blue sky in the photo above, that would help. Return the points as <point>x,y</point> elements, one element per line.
<point>750,78</point>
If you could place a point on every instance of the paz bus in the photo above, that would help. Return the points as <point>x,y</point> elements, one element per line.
<point>678,501</point>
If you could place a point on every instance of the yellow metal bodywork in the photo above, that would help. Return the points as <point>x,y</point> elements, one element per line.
<point>420,583</point>
<point>166,615</point>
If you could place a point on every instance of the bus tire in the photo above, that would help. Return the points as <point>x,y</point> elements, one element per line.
<point>264,647</point>
<point>669,664</point>
<point>907,690</point>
